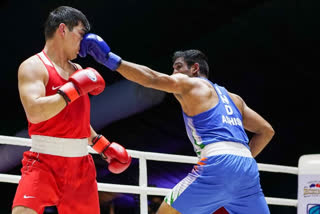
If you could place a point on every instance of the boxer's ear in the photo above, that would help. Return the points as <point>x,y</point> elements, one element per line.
<point>195,69</point>
<point>61,29</point>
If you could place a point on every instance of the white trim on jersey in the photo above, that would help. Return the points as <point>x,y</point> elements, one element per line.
<point>45,59</point>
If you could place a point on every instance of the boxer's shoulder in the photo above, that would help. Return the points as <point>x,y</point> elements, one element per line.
<point>32,66</point>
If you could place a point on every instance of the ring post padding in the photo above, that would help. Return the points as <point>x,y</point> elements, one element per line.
<point>309,184</point>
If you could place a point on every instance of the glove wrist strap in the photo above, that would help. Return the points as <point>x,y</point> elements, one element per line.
<point>113,61</point>
<point>68,92</point>
<point>102,153</point>
<point>100,143</point>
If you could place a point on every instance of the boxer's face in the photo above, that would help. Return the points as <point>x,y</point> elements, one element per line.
<point>180,66</point>
<point>73,39</point>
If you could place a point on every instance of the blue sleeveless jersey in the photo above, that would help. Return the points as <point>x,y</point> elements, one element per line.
<point>223,122</point>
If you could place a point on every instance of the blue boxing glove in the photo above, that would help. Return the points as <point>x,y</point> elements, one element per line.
<point>94,45</point>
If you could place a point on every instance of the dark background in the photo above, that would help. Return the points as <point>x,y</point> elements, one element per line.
<point>264,50</point>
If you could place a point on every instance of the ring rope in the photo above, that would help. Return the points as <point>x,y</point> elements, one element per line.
<point>143,188</point>
<point>157,156</point>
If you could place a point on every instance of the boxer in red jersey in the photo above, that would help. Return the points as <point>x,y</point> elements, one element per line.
<point>58,171</point>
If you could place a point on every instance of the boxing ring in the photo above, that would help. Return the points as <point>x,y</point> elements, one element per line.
<point>143,189</point>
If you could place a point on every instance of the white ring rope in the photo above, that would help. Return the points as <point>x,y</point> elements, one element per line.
<point>143,188</point>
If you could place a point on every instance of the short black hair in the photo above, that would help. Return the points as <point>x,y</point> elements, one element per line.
<point>67,15</point>
<point>194,56</point>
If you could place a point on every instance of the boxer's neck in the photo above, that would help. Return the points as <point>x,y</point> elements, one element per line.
<point>59,59</point>
<point>57,54</point>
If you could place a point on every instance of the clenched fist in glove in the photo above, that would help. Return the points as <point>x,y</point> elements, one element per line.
<point>115,154</point>
<point>80,83</point>
<point>95,46</point>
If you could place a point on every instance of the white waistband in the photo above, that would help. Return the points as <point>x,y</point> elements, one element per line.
<point>225,147</point>
<point>65,147</point>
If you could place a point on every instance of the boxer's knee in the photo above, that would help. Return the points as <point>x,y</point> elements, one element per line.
<point>23,210</point>
<point>166,209</point>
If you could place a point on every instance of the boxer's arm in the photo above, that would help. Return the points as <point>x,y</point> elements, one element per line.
<point>175,83</point>
<point>31,85</point>
<point>261,129</point>
<point>95,46</point>
<point>93,133</point>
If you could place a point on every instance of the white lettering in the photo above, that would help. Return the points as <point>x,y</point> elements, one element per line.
<point>239,122</point>
<point>219,92</point>
<point>224,119</point>
<point>234,121</point>
<point>224,99</point>
<point>228,109</point>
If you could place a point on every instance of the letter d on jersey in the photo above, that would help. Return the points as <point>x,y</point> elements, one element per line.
<point>228,109</point>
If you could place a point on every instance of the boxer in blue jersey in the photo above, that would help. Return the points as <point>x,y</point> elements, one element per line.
<point>226,174</point>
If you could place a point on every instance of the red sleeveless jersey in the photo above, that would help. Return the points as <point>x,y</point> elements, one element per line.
<point>73,121</point>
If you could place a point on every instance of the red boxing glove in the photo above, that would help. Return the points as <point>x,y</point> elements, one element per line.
<point>80,83</point>
<point>115,154</point>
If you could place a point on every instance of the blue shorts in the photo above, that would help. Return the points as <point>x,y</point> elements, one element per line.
<point>227,181</point>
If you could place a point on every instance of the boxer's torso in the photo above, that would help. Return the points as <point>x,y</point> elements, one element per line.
<point>73,121</point>
<point>221,123</point>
